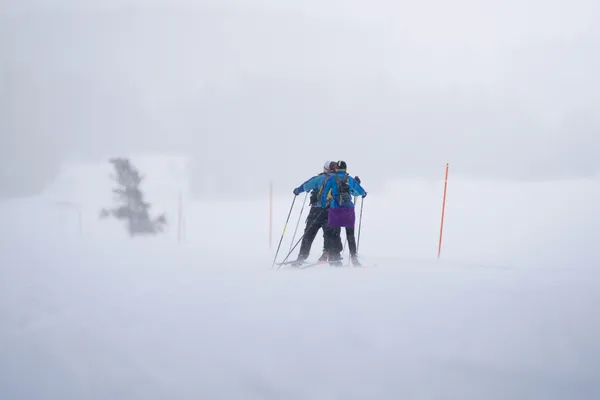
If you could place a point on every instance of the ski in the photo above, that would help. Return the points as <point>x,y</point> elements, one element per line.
<point>306,264</point>
<point>314,264</point>
<point>290,263</point>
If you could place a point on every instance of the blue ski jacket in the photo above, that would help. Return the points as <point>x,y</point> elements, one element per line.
<point>330,194</point>
<point>315,183</point>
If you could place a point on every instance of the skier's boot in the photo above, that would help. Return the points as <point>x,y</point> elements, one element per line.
<point>298,262</point>
<point>336,261</point>
<point>324,257</point>
<point>355,262</point>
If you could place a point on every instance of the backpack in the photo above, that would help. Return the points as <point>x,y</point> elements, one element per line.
<point>315,194</point>
<point>343,187</point>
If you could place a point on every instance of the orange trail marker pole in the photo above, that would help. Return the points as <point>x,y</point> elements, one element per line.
<point>443,210</point>
<point>271,215</point>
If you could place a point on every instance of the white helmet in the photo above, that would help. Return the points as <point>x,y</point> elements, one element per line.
<point>326,165</point>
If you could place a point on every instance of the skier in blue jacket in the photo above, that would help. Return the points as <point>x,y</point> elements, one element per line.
<point>337,194</point>
<point>317,217</point>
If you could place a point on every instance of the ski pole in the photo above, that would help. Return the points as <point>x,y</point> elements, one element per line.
<point>298,223</point>
<point>298,242</point>
<point>284,228</point>
<point>286,257</point>
<point>362,202</point>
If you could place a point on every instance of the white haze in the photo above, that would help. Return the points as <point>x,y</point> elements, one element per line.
<point>510,311</point>
<point>502,90</point>
<point>249,92</point>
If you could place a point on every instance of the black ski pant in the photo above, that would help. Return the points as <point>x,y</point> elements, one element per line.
<point>317,219</point>
<point>332,235</point>
<point>351,241</point>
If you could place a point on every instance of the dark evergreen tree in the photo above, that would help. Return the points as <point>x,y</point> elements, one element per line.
<point>132,207</point>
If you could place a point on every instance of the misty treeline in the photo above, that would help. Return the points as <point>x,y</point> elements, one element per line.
<point>131,207</point>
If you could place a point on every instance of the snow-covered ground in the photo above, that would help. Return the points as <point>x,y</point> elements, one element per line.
<point>509,312</point>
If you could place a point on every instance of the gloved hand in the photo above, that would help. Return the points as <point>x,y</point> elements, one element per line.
<point>297,191</point>
<point>357,179</point>
<point>365,195</point>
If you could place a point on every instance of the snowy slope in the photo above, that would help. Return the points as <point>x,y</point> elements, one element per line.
<point>510,312</point>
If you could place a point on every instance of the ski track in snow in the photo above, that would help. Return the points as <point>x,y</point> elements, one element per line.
<point>103,317</point>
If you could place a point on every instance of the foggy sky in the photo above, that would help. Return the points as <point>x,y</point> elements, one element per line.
<point>269,89</point>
